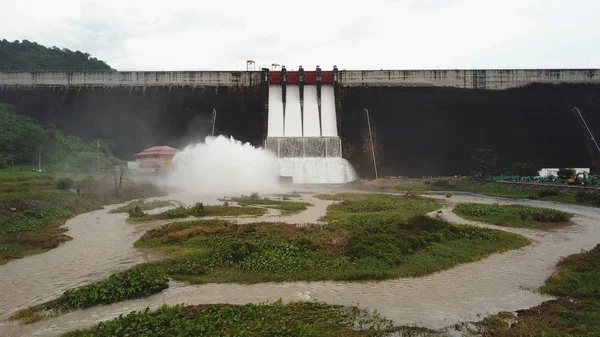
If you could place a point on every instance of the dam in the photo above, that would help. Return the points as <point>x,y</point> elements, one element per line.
<point>423,122</point>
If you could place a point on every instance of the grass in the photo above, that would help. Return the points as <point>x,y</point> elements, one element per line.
<point>298,319</point>
<point>136,215</point>
<point>140,281</point>
<point>143,205</point>
<point>514,215</point>
<point>575,313</point>
<point>286,207</point>
<point>365,237</point>
<point>33,210</point>
<point>497,190</point>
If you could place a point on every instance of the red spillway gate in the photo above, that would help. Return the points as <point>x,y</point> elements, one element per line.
<point>310,77</point>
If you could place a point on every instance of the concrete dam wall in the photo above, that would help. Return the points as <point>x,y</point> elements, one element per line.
<point>424,122</point>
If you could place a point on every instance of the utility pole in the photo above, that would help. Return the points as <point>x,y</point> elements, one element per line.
<point>372,146</point>
<point>214,121</point>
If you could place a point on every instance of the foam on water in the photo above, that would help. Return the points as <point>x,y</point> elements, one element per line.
<point>306,170</point>
<point>225,165</point>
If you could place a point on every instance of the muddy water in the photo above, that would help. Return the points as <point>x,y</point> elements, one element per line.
<point>102,244</point>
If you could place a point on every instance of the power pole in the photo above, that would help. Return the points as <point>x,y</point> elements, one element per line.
<point>372,146</point>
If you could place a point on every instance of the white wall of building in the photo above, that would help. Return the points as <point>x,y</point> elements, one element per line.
<point>546,172</point>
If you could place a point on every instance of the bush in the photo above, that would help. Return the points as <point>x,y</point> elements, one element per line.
<point>448,195</point>
<point>442,183</point>
<point>65,183</point>
<point>136,212</point>
<point>588,198</point>
<point>548,193</point>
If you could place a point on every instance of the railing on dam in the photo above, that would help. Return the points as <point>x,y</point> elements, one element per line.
<point>468,79</point>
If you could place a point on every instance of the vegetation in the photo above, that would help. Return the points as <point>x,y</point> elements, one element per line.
<point>33,208</point>
<point>566,173</point>
<point>524,169</point>
<point>143,205</point>
<point>575,313</point>
<point>365,237</point>
<point>484,161</point>
<point>140,281</point>
<point>513,215</point>
<point>499,190</point>
<point>30,56</point>
<point>197,210</point>
<point>301,319</point>
<point>286,207</point>
<point>23,141</point>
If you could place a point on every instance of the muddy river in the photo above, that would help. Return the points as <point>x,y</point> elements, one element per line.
<point>103,244</point>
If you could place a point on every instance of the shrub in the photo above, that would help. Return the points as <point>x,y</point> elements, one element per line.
<point>588,198</point>
<point>548,193</point>
<point>442,183</point>
<point>65,183</point>
<point>136,212</point>
<point>448,195</point>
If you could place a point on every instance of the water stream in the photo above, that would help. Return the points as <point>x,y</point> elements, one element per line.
<point>102,244</point>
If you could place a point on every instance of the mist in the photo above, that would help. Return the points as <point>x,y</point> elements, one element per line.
<point>222,165</point>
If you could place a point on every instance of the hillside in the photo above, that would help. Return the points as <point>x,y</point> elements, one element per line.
<point>31,56</point>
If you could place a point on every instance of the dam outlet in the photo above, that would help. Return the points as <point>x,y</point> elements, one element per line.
<point>302,128</point>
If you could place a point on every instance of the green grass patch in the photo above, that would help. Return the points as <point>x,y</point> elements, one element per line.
<point>143,205</point>
<point>533,192</point>
<point>197,210</point>
<point>140,281</point>
<point>575,313</point>
<point>513,215</point>
<point>285,206</point>
<point>298,319</point>
<point>33,209</point>
<point>365,237</point>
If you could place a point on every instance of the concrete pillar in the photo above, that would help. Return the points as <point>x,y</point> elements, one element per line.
<point>301,88</point>
<point>264,87</point>
<point>283,92</point>
<point>319,81</point>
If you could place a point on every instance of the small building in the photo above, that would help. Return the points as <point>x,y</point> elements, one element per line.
<point>547,172</point>
<point>155,159</point>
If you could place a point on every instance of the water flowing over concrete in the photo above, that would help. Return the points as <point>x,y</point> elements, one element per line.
<point>307,143</point>
<point>102,244</point>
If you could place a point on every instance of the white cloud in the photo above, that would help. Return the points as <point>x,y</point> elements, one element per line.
<point>389,34</point>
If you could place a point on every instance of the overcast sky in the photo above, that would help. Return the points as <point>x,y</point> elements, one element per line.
<point>374,34</point>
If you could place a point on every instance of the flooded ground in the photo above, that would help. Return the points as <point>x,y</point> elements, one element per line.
<point>102,244</point>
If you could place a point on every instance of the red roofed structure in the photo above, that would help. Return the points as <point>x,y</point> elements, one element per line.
<point>155,159</point>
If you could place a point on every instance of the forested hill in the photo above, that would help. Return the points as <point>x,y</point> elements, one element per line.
<point>30,56</point>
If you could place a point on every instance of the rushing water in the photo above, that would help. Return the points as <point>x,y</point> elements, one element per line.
<point>102,244</point>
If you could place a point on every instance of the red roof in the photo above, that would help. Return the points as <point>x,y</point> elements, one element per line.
<point>157,151</point>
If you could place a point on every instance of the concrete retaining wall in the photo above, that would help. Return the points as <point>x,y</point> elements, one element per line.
<point>129,79</point>
<point>468,79</point>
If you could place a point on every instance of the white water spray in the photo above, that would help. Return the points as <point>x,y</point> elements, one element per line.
<point>224,165</point>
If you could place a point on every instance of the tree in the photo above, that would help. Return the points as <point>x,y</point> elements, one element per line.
<point>31,56</point>
<point>484,161</point>
<point>525,169</point>
<point>566,173</point>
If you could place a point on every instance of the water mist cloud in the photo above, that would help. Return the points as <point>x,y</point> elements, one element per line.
<point>225,165</point>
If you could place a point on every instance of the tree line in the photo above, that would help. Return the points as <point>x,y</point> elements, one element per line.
<point>24,141</point>
<point>31,56</point>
